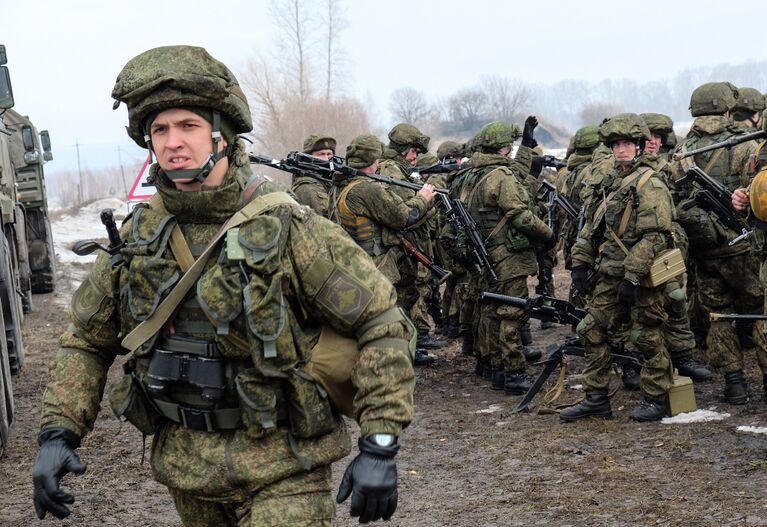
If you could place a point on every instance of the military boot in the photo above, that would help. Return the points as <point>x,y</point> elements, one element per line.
<point>630,377</point>
<point>453,328</point>
<point>526,335</point>
<point>735,387</point>
<point>518,383</point>
<point>467,348</point>
<point>427,341</point>
<point>423,358</point>
<point>531,354</point>
<point>497,378</point>
<point>648,410</point>
<point>596,404</point>
<point>693,368</point>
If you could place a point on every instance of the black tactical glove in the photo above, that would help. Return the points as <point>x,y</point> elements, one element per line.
<point>55,459</point>
<point>580,276</point>
<point>528,134</point>
<point>371,479</point>
<point>627,292</point>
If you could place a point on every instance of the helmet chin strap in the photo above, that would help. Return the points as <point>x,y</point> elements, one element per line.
<point>199,174</point>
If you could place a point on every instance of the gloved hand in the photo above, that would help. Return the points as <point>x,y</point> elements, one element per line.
<point>627,292</point>
<point>528,133</point>
<point>371,479</point>
<point>55,459</point>
<point>580,277</point>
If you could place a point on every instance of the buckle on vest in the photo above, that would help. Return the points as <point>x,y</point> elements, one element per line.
<point>196,419</point>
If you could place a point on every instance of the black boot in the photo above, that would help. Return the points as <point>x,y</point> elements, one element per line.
<point>531,354</point>
<point>630,377</point>
<point>426,341</point>
<point>518,383</point>
<point>596,404</point>
<point>648,410</point>
<point>526,335</point>
<point>479,367</point>
<point>453,328</point>
<point>497,378</point>
<point>468,344</point>
<point>693,368</point>
<point>735,388</point>
<point>422,358</point>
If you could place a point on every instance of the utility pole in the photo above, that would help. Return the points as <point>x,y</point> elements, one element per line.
<point>80,174</point>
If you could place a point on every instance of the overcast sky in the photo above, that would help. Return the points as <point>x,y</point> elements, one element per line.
<point>64,55</point>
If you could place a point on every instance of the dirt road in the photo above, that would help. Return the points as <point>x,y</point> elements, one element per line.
<point>466,460</point>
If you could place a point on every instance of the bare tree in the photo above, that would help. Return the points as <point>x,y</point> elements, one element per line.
<point>334,24</point>
<point>410,106</point>
<point>596,112</point>
<point>467,109</point>
<point>505,97</point>
<point>292,17</point>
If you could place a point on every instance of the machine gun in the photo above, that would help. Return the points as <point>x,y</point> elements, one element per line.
<point>713,196</point>
<point>729,143</point>
<point>299,164</point>
<point>548,192</point>
<point>561,311</point>
<point>550,161</point>
<point>439,168</point>
<point>86,247</point>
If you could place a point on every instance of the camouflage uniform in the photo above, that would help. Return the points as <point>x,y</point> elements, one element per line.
<point>726,276</point>
<point>235,451</point>
<point>499,200</point>
<point>647,232</point>
<point>310,191</point>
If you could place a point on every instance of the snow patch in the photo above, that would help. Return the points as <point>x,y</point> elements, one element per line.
<point>490,409</point>
<point>753,429</point>
<point>84,225</point>
<point>698,416</point>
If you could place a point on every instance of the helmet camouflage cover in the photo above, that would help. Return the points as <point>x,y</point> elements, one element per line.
<point>404,136</point>
<point>363,151</point>
<point>623,126</point>
<point>749,100</point>
<point>426,160</point>
<point>177,77</point>
<point>319,142</point>
<point>713,98</point>
<point>450,149</point>
<point>658,123</point>
<point>496,135</point>
<point>586,138</point>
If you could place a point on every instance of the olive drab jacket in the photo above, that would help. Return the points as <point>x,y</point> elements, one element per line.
<point>313,193</point>
<point>634,207</point>
<point>263,298</point>
<point>501,204</point>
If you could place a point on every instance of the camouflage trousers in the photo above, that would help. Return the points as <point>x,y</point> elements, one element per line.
<point>303,500</point>
<point>456,292</point>
<point>730,285</point>
<point>680,340</point>
<point>499,326</point>
<point>419,312</point>
<point>606,318</point>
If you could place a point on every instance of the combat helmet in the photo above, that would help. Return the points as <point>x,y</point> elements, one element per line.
<point>181,77</point>
<point>624,126</point>
<point>713,98</point>
<point>319,142</point>
<point>586,139</point>
<point>450,150</point>
<point>750,101</point>
<point>405,136</point>
<point>495,135</point>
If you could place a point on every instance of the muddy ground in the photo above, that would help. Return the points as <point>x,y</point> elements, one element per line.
<point>465,461</point>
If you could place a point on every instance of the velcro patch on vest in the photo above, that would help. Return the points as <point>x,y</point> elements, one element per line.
<point>344,296</point>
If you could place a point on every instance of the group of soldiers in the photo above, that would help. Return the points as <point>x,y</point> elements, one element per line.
<point>634,207</point>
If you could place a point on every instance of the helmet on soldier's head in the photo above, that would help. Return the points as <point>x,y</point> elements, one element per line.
<point>404,136</point>
<point>179,77</point>
<point>586,138</point>
<point>713,98</point>
<point>494,136</point>
<point>450,149</point>
<point>658,123</point>
<point>570,147</point>
<point>670,142</point>
<point>426,160</point>
<point>757,195</point>
<point>363,151</point>
<point>624,126</point>
<point>749,100</point>
<point>319,142</point>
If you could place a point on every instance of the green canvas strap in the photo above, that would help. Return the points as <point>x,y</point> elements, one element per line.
<point>151,326</point>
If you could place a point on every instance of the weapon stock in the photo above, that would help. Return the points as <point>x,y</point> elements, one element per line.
<point>726,317</point>
<point>729,143</point>
<point>424,259</point>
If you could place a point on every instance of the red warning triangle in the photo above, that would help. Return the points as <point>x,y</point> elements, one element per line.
<point>141,190</point>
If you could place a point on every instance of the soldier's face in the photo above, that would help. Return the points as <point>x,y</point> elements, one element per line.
<point>652,146</point>
<point>411,155</point>
<point>325,153</point>
<point>624,150</point>
<point>182,139</point>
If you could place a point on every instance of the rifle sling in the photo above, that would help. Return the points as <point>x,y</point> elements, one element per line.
<point>149,327</point>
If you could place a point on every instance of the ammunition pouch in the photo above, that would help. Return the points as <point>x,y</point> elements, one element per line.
<point>195,362</point>
<point>701,228</point>
<point>131,402</point>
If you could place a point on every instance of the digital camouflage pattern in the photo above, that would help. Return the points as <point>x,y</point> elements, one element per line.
<point>313,193</point>
<point>404,136</point>
<point>316,142</point>
<point>318,262</point>
<point>363,151</point>
<point>647,233</point>
<point>713,98</point>
<point>623,126</point>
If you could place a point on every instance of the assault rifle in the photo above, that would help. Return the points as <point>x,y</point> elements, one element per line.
<point>439,168</point>
<point>555,310</point>
<point>548,192</point>
<point>410,248</point>
<point>713,196</point>
<point>716,317</point>
<point>454,210</point>
<point>550,161</point>
<point>86,247</point>
<point>729,143</point>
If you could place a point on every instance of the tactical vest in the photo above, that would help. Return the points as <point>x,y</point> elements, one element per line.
<point>716,163</point>
<point>363,230</point>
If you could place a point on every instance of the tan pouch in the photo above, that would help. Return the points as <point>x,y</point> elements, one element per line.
<point>667,265</point>
<point>333,358</point>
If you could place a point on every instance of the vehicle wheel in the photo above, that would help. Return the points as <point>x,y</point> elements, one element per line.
<point>12,311</point>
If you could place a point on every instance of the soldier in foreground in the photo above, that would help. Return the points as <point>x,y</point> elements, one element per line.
<point>627,230</point>
<point>220,375</point>
<point>310,191</point>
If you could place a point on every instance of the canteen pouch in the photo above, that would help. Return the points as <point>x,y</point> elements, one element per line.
<point>130,402</point>
<point>258,403</point>
<point>309,409</point>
